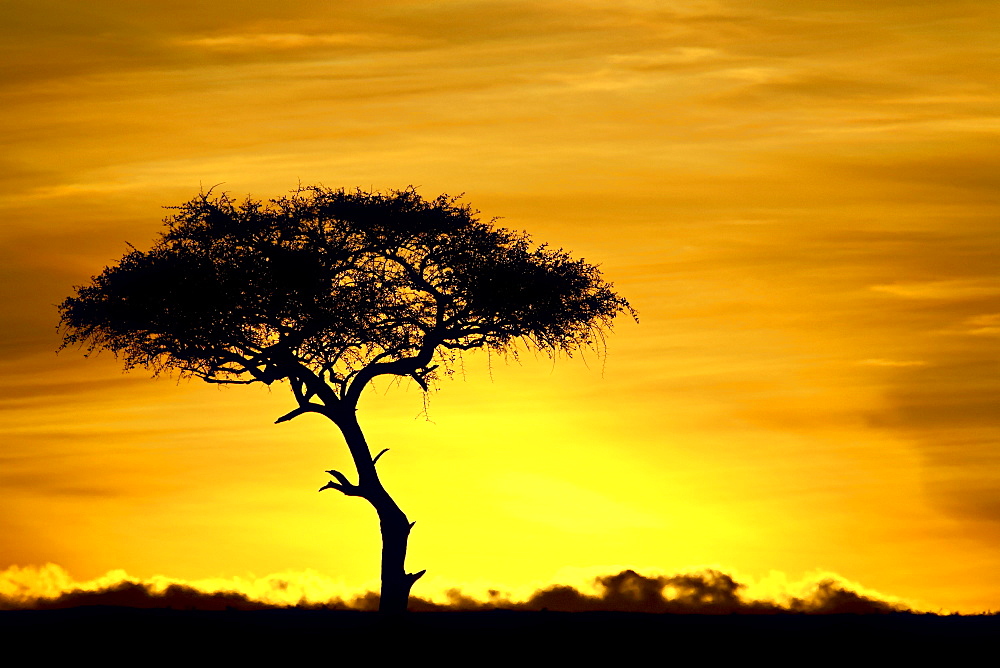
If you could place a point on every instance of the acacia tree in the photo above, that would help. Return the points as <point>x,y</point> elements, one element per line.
<point>328,289</point>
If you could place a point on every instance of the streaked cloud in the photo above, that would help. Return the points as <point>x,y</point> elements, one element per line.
<point>987,324</point>
<point>941,290</point>
<point>879,361</point>
<point>669,58</point>
<point>289,41</point>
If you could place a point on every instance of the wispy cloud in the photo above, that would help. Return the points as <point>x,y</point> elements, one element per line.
<point>878,361</point>
<point>987,324</point>
<point>291,41</point>
<point>941,290</point>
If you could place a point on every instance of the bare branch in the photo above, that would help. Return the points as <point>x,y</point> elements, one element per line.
<point>375,459</point>
<point>301,410</point>
<point>420,381</point>
<point>343,485</point>
<point>463,346</point>
<point>225,381</point>
<point>333,485</point>
<point>341,477</point>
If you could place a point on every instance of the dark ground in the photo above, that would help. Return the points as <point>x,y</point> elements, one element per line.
<point>129,635</point>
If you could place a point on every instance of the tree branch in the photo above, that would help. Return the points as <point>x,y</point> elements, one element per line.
<point>464,346</point>
<point>344,485</point>
<point>313,385</point>
<point>420,381</point>
<point>301,410</point>
<point>416,277</point>
<point>403,366</point>
<point>226,381</point>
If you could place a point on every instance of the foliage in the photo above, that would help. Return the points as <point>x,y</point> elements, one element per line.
<point>334,286</point>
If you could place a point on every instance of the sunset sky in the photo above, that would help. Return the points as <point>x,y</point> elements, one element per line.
<point>800,199</point>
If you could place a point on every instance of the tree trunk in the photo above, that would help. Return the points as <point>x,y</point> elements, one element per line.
<point>393,523</point>
<point>396,582</point>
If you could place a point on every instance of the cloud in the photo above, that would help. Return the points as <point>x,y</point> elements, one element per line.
<point>667,59</point>
<point>706,591</point>
<point>291,41</point>
<point>51,587</point>
<point>878,361</point>
<point>948,411</point>
<point>958,289</point>
<point>987,324</point>
<point>831,597</point>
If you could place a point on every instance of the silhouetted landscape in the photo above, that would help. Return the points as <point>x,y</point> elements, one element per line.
<point>500,635</point>
<point>632,614</point>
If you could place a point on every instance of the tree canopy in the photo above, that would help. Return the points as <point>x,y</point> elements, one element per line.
<point>334,286</point>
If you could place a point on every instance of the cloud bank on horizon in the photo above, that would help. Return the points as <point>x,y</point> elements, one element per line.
<point>705,591</point>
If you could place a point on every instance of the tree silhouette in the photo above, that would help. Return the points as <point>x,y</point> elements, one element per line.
<point>328,289</point>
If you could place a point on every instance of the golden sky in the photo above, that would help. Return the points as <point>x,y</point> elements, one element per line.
<point>800,199</point>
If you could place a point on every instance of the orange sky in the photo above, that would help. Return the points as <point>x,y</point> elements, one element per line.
<point>801,202</point>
